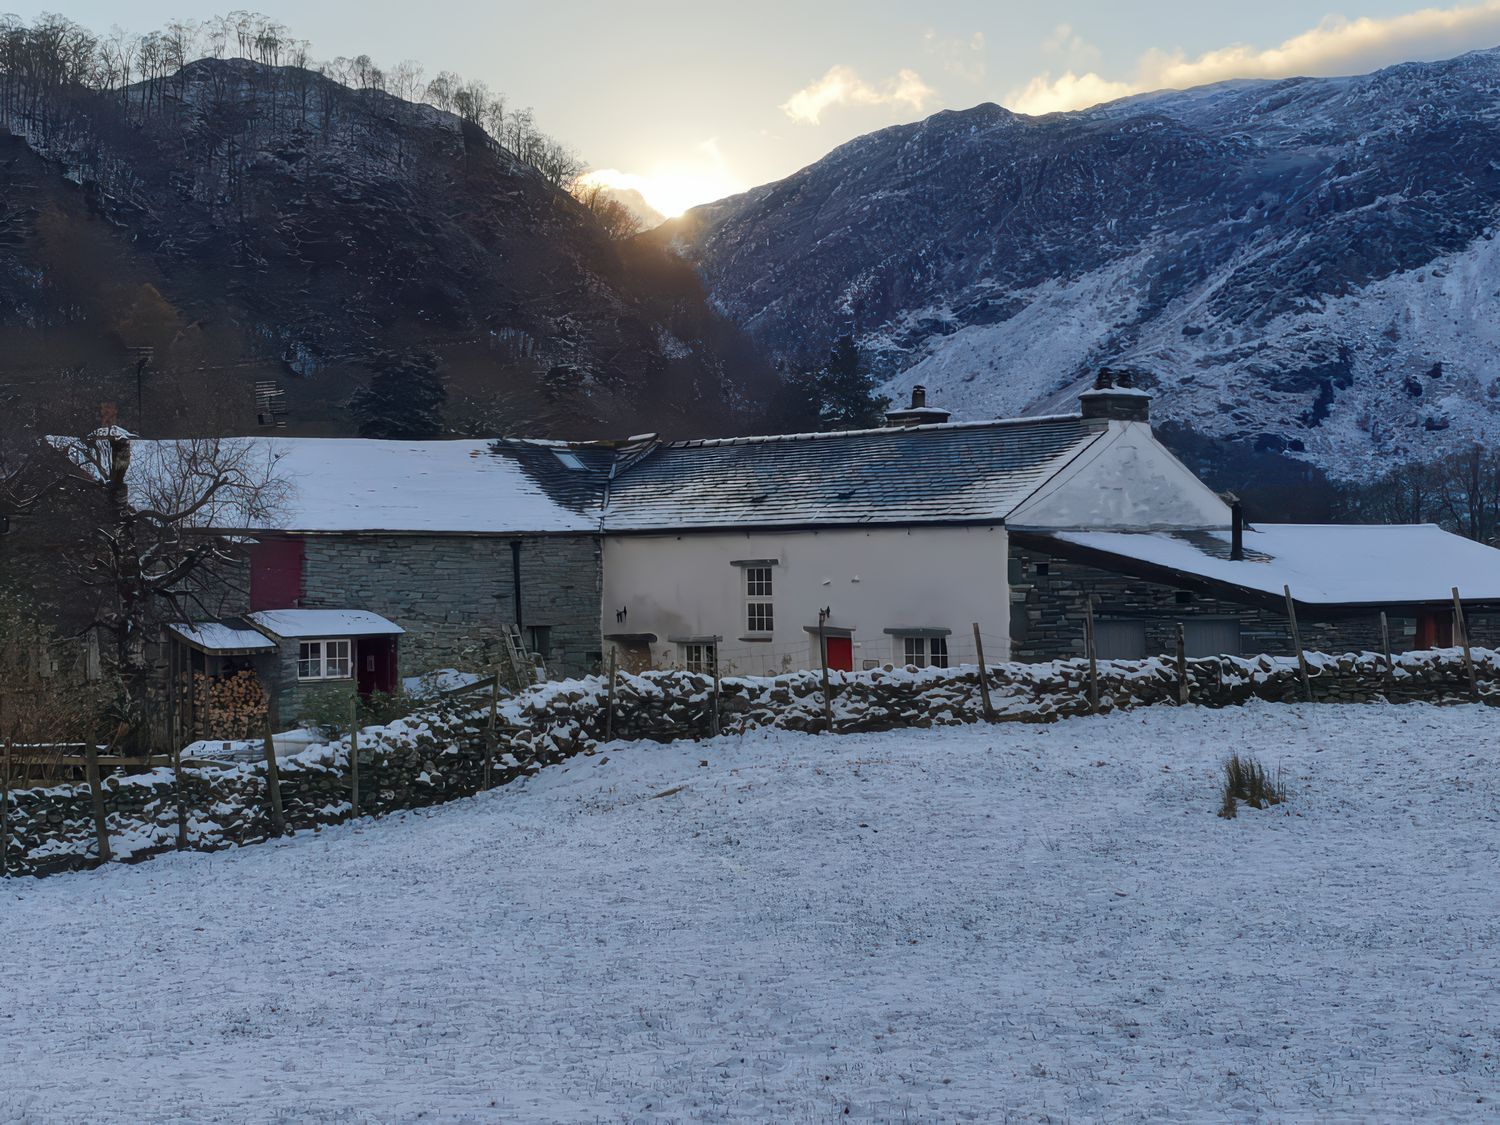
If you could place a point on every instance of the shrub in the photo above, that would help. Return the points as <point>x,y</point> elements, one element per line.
<point>1246,780</point>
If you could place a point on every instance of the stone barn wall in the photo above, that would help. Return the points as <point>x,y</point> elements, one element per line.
<point>1047,614</point>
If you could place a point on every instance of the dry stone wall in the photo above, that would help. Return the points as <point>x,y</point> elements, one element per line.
<point>440,755</point>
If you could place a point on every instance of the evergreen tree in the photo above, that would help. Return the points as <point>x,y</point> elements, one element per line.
<point>404,399</point>
<point>839,395</point>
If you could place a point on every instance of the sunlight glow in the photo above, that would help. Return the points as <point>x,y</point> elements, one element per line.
<point>673,186</point>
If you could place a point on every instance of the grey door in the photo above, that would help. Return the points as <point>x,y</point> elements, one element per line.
<point>1120,640</point>
<point>1212,636</point>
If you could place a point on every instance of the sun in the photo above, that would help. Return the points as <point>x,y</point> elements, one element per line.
<point>671,188</point>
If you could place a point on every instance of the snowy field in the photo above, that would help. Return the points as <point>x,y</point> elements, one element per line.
<point>1003,923</point>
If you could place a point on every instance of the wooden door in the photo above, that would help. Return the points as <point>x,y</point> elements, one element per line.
<point>1435,630</point>
<point>840,654</point>
<point>275,574</point>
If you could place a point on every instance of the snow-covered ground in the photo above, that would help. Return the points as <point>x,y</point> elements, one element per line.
<point>984,923</point>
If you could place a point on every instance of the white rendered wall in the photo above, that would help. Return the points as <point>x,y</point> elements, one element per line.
<point>686,585</point>
<point>1125,481</point>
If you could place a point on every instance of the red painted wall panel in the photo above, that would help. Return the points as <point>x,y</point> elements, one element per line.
<point>275,574</point>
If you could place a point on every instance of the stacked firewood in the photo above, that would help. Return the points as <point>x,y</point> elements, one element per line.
<point>230,707</point>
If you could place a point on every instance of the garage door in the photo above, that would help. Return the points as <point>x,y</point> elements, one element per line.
<point>1120,640</point>
<point>1212,636</point>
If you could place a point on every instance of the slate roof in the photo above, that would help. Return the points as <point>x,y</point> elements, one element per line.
<point>954,473</point>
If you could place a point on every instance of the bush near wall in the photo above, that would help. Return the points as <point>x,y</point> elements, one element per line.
<point>438,755</point>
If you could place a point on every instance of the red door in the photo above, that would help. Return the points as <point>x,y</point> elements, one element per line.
<point>375,665</point>
<point>275,574</point>
<point>840,653</point>
<point>1435,630</point>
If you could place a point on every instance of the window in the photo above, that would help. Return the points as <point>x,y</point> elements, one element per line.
<point>323,660</point>
<point>569,460</point>
<point>539,640</point>
<point>925,652</point>
<point>759,617</point>
<point>700,657</point>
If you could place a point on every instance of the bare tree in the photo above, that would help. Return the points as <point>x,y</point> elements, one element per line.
<point>618,220</point>
<point>156,545</point>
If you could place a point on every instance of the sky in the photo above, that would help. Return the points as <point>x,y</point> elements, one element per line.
<point>689,102</point>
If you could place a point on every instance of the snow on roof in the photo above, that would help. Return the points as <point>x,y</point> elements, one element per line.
<point>219,636</point>
<point>296,623</point>
<point>1328,564</point>
<point>475,486</point>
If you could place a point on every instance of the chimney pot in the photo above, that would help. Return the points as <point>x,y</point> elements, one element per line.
<point>1236,532</point>
<point>918,397</point>
<point>1115,398</point>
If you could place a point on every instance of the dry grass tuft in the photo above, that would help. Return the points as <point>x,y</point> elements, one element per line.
<point>1246,780</point>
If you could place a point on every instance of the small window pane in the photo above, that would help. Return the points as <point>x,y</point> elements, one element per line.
<point>699,658</point>
<point>310,660</point>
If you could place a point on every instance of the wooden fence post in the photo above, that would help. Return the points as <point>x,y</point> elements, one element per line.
<point>713,724</point>
<point>1291,615</point>
<point>181,795</point>
<point>96,795</point>
<point>1183,691</point>
<point>1385,646</point>
<point>5,811</point>
<point>273,781</point>
<point>823,660</point>
<point>609,698</point>
<point>984,677</point>
<point>1088,640</point>
<point>489,734</point>
<point>354,758</point>
<point>1463,632</point>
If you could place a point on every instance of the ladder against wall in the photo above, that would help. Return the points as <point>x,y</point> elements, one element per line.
<point>521,668</point>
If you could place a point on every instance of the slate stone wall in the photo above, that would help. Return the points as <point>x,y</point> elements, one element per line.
<point>439,755</point>
<point>454,595</point>
<point>1048,610</point>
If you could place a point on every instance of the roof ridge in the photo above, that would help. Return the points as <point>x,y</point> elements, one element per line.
<point>765,439</point>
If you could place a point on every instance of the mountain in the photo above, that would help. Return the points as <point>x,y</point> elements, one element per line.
<point>168,246</point>
<point>1305,266</point>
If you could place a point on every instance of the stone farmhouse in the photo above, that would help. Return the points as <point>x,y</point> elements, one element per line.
<point>765,554</point>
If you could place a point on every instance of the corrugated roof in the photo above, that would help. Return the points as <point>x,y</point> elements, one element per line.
<point>922,474</point>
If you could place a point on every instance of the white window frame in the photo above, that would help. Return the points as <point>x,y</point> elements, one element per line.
<point>760,599</point>
<point>699,656</point>
<point>322,654</point>
<point>922,650</point>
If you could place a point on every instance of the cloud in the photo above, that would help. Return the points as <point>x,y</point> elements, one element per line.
<point>1045,94</point>
<point>842,86</point>
<point>962,57</point>
<point>1335,46</point>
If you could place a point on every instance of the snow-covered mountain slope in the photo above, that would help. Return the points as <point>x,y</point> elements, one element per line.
<point>1304,265</point>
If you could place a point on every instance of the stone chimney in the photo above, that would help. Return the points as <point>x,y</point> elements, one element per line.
<point>1116,398</point>
<point>918,413</point>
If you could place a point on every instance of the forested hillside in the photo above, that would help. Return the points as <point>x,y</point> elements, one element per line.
<point>174,231</point>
